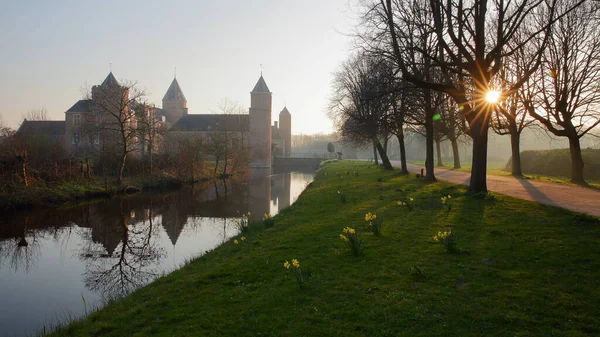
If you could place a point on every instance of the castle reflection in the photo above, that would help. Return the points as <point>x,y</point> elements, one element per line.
<point>123,242</point>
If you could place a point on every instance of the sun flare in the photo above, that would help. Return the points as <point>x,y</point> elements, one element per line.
<point>492,96</point>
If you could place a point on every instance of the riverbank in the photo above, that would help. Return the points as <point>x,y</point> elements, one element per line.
<point>517,268</point>
<point>65,192</point>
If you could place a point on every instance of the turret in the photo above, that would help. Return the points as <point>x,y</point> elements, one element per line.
<point>285,128</point>
<point>174,103</point>
<point>260,125</point>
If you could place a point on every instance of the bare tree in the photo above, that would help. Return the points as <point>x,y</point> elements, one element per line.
<point>471,42</point>
<point>360,102</point>
<point>151,130</point>
<point>115,119</point>
<point>564,95</point>
<point>40,114</point>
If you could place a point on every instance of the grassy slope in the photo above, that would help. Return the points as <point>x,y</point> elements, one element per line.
<point>526,270</point>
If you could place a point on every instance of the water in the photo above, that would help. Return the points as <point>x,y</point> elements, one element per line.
<point>54,263</point>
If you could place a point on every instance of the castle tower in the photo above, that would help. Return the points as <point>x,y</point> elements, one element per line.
<point>260,125</point>
<point>285,128</point>
<point>174,103</point>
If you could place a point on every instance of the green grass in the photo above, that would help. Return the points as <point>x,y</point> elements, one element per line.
<point>522,269</point>
<point>497,169</point>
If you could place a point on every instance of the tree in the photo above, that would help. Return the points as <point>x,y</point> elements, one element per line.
<point>563,95</point>
<point>40,114</point>
<point>151,131</point>
<point>330,147</point>
<point>361,101</point>
<point>115,119</point>
<point>471,41</point>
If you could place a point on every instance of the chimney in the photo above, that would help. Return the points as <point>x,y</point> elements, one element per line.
<point>276,125</point>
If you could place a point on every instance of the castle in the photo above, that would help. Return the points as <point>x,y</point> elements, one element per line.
<point>253,130</point>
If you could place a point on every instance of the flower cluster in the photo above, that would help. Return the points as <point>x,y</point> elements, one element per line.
<point>267,216</point>
<point>243,224</point>
<point>447,239</point>
<point>447,202</point>
<point>408,203</point>
<point>243,238</point>
<point>351,239</point>
<point>268,220</point>
<point>373,223</point>
<point>300,275</point>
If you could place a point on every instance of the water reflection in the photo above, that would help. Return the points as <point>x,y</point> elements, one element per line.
<point>50,259</point>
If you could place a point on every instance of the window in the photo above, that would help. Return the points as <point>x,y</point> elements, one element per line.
<point>76,119</point>
<point>75,138</point>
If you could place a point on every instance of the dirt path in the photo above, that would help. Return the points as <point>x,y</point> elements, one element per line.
<point>574,198</point>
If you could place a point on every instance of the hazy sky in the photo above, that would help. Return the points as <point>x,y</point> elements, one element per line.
<point>52,50</point>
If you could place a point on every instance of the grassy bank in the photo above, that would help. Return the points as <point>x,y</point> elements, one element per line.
<point>56,194</point>
<point>518,269</point>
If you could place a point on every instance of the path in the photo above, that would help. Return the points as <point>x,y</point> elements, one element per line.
<point>574,198</point>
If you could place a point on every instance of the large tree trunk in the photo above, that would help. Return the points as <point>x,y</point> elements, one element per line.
<point>429,161</point>
<point>375,154</point>
<point>515,147</point>
<point>455,153</point>
<point>479,132</point>
<point>576,161</point>
<point>400,135</point>
<point>438,150</point>
<point>384,158</point>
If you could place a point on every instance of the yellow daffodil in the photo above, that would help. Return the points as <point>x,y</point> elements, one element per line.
<point>343,237</point>
<point>449,196</point>
<point>286,265</point>
<point>235,242</point>
<point>411,199</point>
<point>295,263</point>
<point>243,238</point>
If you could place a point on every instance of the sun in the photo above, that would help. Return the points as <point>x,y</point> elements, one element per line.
<point>492,96</point>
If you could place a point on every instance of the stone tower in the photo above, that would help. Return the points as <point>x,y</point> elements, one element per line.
<point>285,128</point>
<point>260,125</point>
<point>174,103</point>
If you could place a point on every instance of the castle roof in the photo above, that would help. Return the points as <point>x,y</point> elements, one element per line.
<point>212,122</point>
<point>110,80</point>
<point>261,86</point>
<point>285,111</point>
<point>83,105</point>
<point>46,128</point>
<point>174,92</point>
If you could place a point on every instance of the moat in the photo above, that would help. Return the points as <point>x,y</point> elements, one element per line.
<point>56,265</point>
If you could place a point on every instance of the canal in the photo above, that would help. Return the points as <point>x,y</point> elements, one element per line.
<point>58,264</point>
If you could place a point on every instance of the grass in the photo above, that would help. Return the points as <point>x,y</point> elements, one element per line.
<point>497,169</point>
<point>520,269</point>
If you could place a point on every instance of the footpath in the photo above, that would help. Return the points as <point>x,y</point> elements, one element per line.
<point>574,198</point>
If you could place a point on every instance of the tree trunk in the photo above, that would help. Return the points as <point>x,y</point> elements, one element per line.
<point>384,158</point>
<point>429,174</point>
<point>403,168</point>
<point>479,132</point>
<point>455,154</point>
<point>122,168</point>
<point>515,147</point>
<point>375,154</point>
<point>385,144</point>
<point>576,161</point>
<point>216,165</point>
<point>438,150</point>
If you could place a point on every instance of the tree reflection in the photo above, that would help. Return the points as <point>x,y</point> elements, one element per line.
<point>116,273</point>
<point>22,252</point>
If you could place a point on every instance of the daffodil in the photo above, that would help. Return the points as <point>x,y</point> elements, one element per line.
<point>286,265</point>
<point>343,237</point>
<point>295,263</point>
<point>411,199</point>
<point>235,242</point>
<point>243,238</point>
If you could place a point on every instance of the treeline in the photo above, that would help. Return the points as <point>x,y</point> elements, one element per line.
<point>452,70</point>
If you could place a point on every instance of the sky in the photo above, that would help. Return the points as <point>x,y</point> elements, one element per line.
<point>53,50</point>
